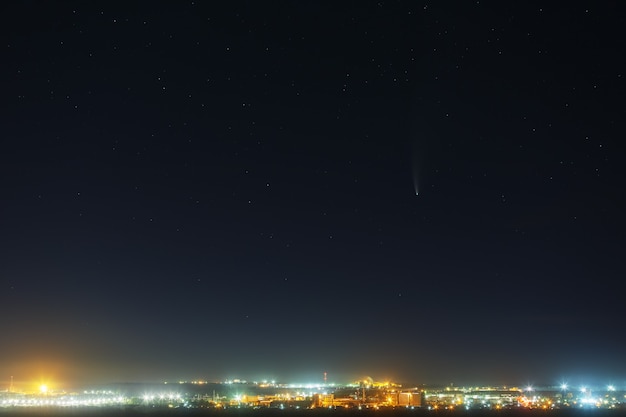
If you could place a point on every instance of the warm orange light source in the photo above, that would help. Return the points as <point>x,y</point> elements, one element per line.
<point>43,388</point>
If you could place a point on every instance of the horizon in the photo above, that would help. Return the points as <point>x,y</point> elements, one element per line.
<point>593,384</point>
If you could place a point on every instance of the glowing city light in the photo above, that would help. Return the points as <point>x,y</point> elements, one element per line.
<point>295,396</point>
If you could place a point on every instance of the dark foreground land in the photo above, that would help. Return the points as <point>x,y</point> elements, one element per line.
<point>398,412</point>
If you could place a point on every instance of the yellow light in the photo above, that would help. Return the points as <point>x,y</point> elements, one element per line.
<point>43,388</point>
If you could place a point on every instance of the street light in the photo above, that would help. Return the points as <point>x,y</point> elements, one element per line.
<point>563,391</point>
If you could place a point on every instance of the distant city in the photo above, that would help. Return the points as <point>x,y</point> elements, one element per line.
<point>357,395</point>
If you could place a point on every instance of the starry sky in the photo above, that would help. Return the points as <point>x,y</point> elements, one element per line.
<point>425,192</point>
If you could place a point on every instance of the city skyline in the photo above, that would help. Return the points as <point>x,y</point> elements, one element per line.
<point>49,387</point>
<point>420,191</point>
<point>572,384</point>
<point>363,394</point>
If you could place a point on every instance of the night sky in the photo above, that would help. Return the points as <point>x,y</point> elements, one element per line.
<point>415,191</point>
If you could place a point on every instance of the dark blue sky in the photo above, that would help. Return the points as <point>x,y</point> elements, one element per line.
<point>200,190</point>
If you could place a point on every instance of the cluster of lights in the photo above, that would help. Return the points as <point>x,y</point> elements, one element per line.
<point>482,397</point>
<point>70,401</point>
<point>584,399</point>
<point>309,385</point>
<point>149,398</point>
<point>235,381</point>
<point>583,389</point>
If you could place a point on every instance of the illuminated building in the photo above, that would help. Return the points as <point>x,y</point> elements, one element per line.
<point>406,398</point>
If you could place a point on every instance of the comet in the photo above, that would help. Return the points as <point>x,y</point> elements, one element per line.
<point>415,167</point>
<point>415,180</point>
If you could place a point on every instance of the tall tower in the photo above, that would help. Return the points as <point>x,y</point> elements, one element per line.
<point>325,375</point>
<point>11,385</point>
